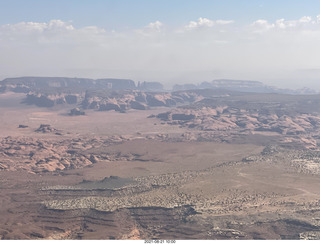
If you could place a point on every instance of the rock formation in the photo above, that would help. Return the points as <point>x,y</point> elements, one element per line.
<point>230,117</point>
<point>76,112</point>
<point>44,128</point>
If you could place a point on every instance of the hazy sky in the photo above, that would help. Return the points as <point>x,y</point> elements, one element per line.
<point>171,41</point>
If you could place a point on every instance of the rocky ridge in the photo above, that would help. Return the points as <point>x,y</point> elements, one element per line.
<point>163,190</point>
<point>105,100</point>
<point>231,117</point>
<point>121,101</point>
<point>42,99</point>
<point>232,213</point>
<point>45,155</point>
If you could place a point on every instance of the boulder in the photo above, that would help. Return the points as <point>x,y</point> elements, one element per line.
<point>23,126</point>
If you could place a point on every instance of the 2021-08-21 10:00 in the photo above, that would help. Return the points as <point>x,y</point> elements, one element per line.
<point>159,241</point>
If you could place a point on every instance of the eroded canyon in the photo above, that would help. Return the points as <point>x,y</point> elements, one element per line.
<point>137,164</point>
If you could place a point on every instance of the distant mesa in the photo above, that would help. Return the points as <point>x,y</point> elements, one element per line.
<point>234,85</point>
<point>78,85</point>
<point>123,94</point>
<point>115,84</point>
<point>185,87</point>
<point>241,86</point>
<point>27,84</point>
<point>31,84</point>
<point>52,91</point>
<point>150,86</point>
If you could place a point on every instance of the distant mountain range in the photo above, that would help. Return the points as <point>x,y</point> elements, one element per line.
<point>27,84</point>
<point>242,86</point>
<point>30,84</point>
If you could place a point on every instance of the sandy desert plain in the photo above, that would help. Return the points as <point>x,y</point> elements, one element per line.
<point>164,172</point>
